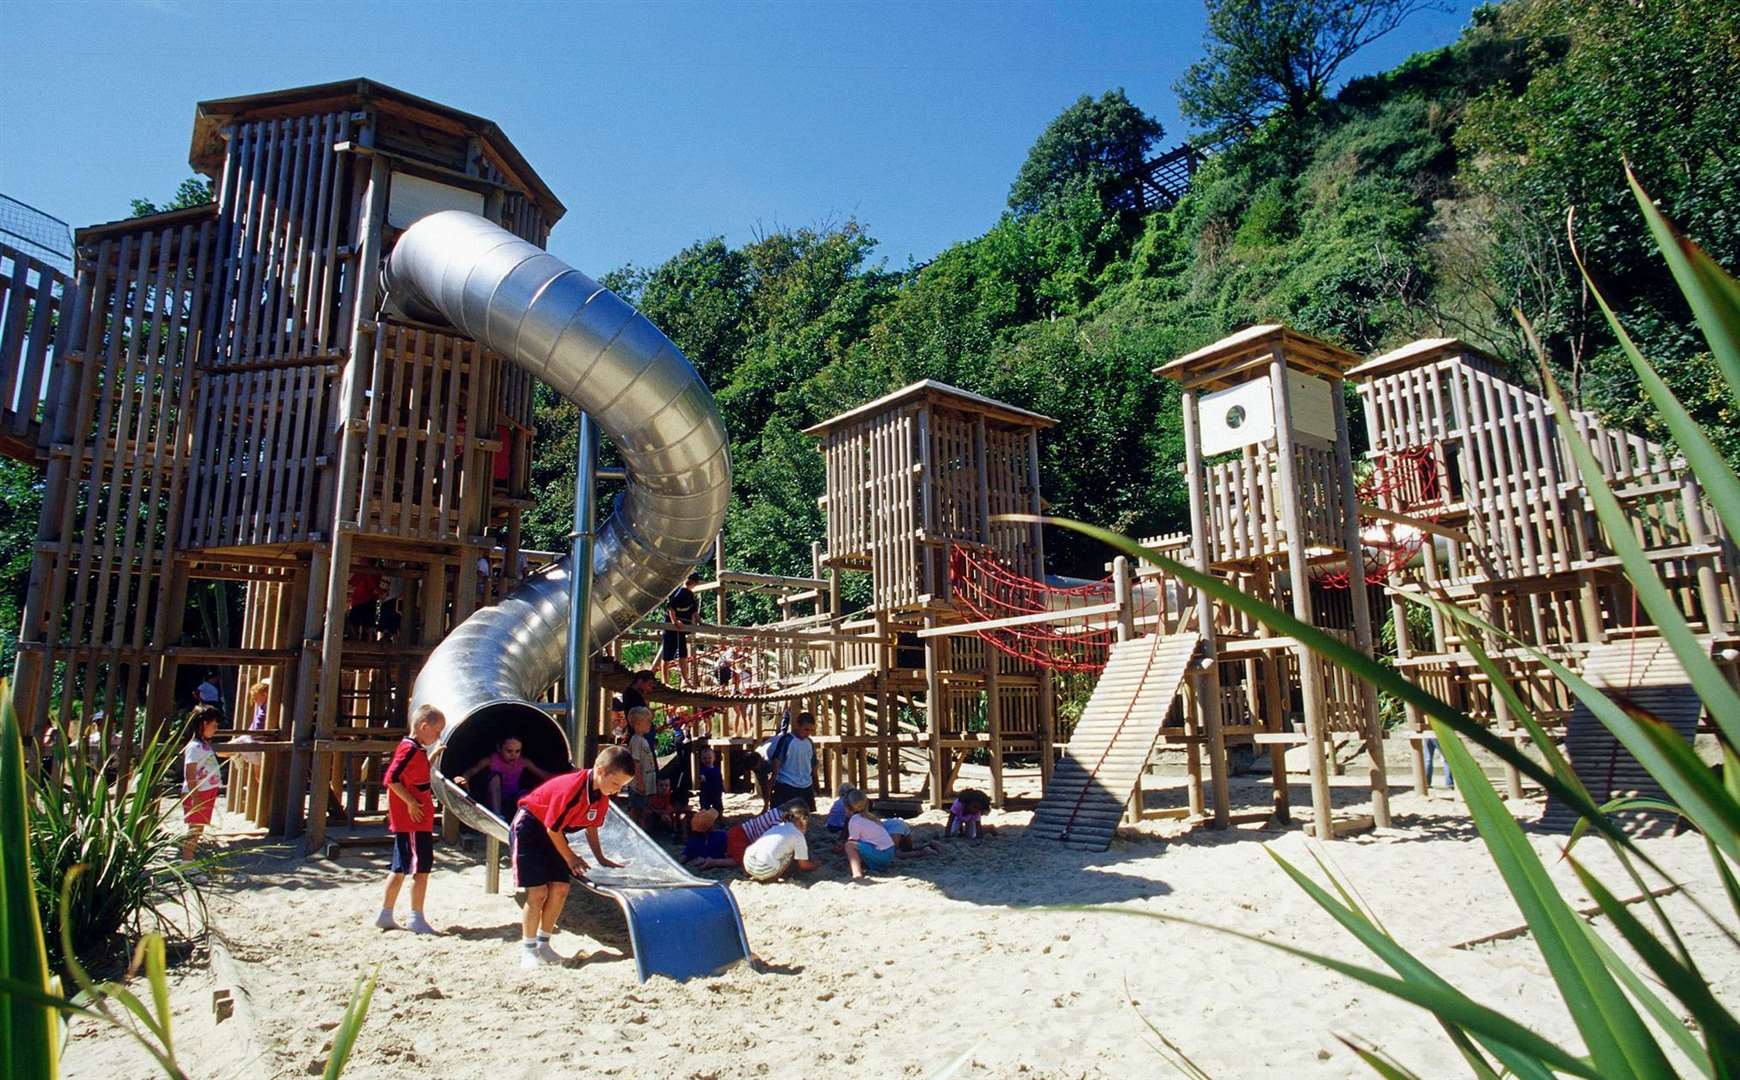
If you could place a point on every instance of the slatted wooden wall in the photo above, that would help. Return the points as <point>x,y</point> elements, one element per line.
<point>33,338</point>
<point>102,587</point>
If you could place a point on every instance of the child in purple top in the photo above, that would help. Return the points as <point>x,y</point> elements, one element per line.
<point>508,768</point>
<point>969,806</point>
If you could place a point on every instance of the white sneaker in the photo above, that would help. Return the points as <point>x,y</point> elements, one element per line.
<point>547,954</point>
<point>385,921</point>
<point>420,925</point>
<point>530,960</point>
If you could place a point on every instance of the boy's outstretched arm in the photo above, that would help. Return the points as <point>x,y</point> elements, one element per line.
<point>598,852</point>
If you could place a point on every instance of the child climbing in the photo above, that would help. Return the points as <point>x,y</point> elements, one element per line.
<point>411,818</point>
<point>543,863</point>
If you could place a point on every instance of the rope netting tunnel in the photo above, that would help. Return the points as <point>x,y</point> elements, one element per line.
<point>984,588</point>
<point>1405,481</point>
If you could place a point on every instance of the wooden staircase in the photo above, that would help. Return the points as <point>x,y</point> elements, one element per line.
<point>1098,770</point>
<point>1647,674</point>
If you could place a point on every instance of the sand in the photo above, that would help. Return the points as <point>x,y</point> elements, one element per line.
<point>957,961</point>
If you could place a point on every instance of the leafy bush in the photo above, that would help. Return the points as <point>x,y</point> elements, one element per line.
<point>122,827</point>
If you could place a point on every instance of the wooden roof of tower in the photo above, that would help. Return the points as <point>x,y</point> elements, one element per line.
<point>1216,365</point>
<point>211,117</point>
<point>939,393</point>
<point>1425,351</point>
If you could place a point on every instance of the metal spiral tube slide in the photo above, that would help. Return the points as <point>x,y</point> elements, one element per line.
<point>593,348</point>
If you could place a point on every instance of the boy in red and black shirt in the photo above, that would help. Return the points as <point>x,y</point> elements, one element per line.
<point>543,862</point>
<point>411,818</point>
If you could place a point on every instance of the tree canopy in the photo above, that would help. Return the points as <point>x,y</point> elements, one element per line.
<point>1092,144</point>
<point>1265,56</point>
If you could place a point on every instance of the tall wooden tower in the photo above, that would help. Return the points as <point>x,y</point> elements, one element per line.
<point>235,407</point>
<point>1274,509</point>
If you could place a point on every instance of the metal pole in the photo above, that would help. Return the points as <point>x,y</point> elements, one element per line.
<point>581,738</point>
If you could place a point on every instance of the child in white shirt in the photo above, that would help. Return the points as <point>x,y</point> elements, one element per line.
<point>781,847</point>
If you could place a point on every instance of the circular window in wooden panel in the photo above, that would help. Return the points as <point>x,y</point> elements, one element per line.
<point>1235,417</point>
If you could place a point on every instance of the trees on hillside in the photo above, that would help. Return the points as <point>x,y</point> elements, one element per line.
<point>1266,56</point>
<point>1094,143</point>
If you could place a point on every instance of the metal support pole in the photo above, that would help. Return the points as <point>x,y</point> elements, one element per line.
<point>582,740</point>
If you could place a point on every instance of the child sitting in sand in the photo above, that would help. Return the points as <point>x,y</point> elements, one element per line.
<point>868,843</point>
<point>737,839</point>
<point>969,806</point>
<point>508,777</point>
<point>706,845</point>
<point>411,818</point>
<point>841,810</point>
<point>646,766</point>
<point>781,847</point>
<point>543,862</point>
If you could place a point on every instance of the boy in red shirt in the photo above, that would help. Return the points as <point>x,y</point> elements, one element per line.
<point>411,818</point>
<point>543,862</point>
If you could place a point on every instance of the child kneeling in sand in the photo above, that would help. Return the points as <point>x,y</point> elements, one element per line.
<point>543,862</point>
<point>411,818</point>
<point>781,847</point>
<point>969,807</point>
<point>868,843</point>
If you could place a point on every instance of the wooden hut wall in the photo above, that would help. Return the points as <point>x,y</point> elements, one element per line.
<point>33,340</point>
<point>873,522</point>
<point>287,206</point>
<point>425,475</point>
<point>103,599</point>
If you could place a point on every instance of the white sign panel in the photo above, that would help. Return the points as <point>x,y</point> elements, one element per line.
<point>1244,415</point>
<point>413,198</point>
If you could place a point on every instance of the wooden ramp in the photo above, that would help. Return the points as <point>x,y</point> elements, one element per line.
<point>1097,773</point>
<point>1643,673</point>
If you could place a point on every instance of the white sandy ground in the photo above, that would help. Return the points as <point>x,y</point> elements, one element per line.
<point>955,958</point>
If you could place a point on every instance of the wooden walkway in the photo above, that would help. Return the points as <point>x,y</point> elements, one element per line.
<point>1644,674</point>
<point>1097,773</point>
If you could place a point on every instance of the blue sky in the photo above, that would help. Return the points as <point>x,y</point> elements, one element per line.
<point>657,124</point>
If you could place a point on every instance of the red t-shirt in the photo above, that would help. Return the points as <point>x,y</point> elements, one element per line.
<point>410,766</point>
<point>567,802</point>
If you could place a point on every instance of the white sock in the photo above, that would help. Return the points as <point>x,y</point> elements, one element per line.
<point>543,937</point>
<point>529,944</point>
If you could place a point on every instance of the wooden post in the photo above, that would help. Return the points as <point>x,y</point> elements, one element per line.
<point>1206,698</point>
<point>364,356</point>
<point>1126,629</point>
<point>1299,581</point>
<point>935,710</point>
<point>1360,598</point>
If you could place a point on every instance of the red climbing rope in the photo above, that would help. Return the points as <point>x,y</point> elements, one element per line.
<point>984,589</point>
<point>1404,481</point>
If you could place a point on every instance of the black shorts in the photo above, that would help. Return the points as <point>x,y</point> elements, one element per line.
<point>784,793</point>
<point>535,859</point>
<point>413,852</point>
<point>675,645</point>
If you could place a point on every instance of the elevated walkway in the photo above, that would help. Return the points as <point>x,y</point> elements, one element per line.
<point>1643,674</point>
<point>1098,771</point>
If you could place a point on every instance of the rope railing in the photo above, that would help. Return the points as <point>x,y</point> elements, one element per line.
<point>985,589</point>
<point>1405,481</point>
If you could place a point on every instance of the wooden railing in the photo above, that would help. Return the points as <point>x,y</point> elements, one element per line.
<point>33,339</point>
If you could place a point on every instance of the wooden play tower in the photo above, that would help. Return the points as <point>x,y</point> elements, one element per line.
<point>227,404</point>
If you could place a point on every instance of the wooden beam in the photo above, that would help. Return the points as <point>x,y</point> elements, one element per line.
<point>1021,620</point>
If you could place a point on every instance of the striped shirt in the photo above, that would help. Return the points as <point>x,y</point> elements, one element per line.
<point>760,823</point>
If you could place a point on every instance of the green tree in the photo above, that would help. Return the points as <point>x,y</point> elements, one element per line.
<point>193,191</point>
<point>1266,56</point>
<point>1093,144</point>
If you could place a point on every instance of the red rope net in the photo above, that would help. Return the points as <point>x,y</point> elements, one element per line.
<point>983,588</point>
<point>1405,481</point>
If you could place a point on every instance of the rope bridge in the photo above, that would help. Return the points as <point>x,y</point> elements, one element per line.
<point>1405,481</point>
<point>984,589</point>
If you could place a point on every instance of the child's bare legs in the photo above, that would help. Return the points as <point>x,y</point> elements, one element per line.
<point>715,864</point>
<point>419,889</point>
<point>495,797</point>
<point>395,882</point>
<point>920,851</point>
<point>854,860</point>
<point>538,922</point>
<point>191,842</point>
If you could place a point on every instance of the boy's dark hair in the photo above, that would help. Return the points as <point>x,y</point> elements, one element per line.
<point>974,801</point>
<point>692,578</point>
<point>643,673</point>
<point>615,759</point>
<point>802,719</point>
